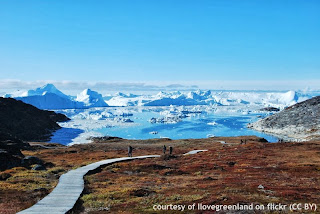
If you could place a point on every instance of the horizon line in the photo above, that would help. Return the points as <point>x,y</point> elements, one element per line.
<point>7,85</point>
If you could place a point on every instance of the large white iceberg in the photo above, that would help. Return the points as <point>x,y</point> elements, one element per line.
<point>91,99</point>
<point>48,97</point>
<point>51,101</point>
<point>48,88</point>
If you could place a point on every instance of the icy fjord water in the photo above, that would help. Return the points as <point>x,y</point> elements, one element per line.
<point>195,126</point>
<point>110,121</point>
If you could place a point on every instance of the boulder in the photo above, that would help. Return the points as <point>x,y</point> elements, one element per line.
<point>4,176</point>
<point>8,160</point>
<point>38,167</point>
<point>31,160</point>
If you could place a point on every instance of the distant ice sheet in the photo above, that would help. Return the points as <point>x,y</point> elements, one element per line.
<point>49,97</point>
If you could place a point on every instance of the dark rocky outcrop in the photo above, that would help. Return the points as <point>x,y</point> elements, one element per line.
<point>30,160</point>
<point>10,154</point>
<point>105,139</point>
<point>8,160</point>
<point>21,122</point>
<point>141,192</point>
<point>270,109</point>
<point>4,176</point>
<point>300,121</point>
<point>26,122</point>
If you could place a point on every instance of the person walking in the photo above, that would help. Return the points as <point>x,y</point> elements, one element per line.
<point>130,151</point>
<point>164,149</point>
<point>170,150</point>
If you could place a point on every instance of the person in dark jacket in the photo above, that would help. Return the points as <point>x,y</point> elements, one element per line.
<point>170,150</point>
<point>164,149</point>
<point>130,151</point>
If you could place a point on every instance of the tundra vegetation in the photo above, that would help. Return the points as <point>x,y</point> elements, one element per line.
<point>256,172</point>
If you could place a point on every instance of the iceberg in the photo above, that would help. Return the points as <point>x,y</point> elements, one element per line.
<point>48,97</point>
<point>120,94</point>
<point>48,88</point>
<point>214,98</point>
<point>180,99</point>
<point>91,99</point>
<point>51,101</point>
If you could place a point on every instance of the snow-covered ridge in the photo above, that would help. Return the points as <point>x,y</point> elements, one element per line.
<point>49,97</point>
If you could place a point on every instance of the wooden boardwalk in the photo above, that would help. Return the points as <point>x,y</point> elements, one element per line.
<point>70,186</point>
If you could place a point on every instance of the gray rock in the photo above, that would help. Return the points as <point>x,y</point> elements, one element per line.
<point>270,109</point>
<point>299,122</point>
<point>38,167</point>
<point>30,160</point>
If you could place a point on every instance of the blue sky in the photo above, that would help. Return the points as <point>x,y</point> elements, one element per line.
<point>161,41</point>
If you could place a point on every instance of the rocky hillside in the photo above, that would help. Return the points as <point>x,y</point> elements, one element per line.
<point>20,121</point>
<point>10,154</point>
<point>26,122</point>
<point>300,121</point>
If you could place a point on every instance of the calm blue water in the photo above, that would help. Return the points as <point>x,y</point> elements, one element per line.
<point>191,127</point>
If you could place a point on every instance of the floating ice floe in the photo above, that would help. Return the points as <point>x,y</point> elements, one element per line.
<point>212,123</point>
<point>170,120</point>
<point>153,132</point>
<point>123,120</point>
